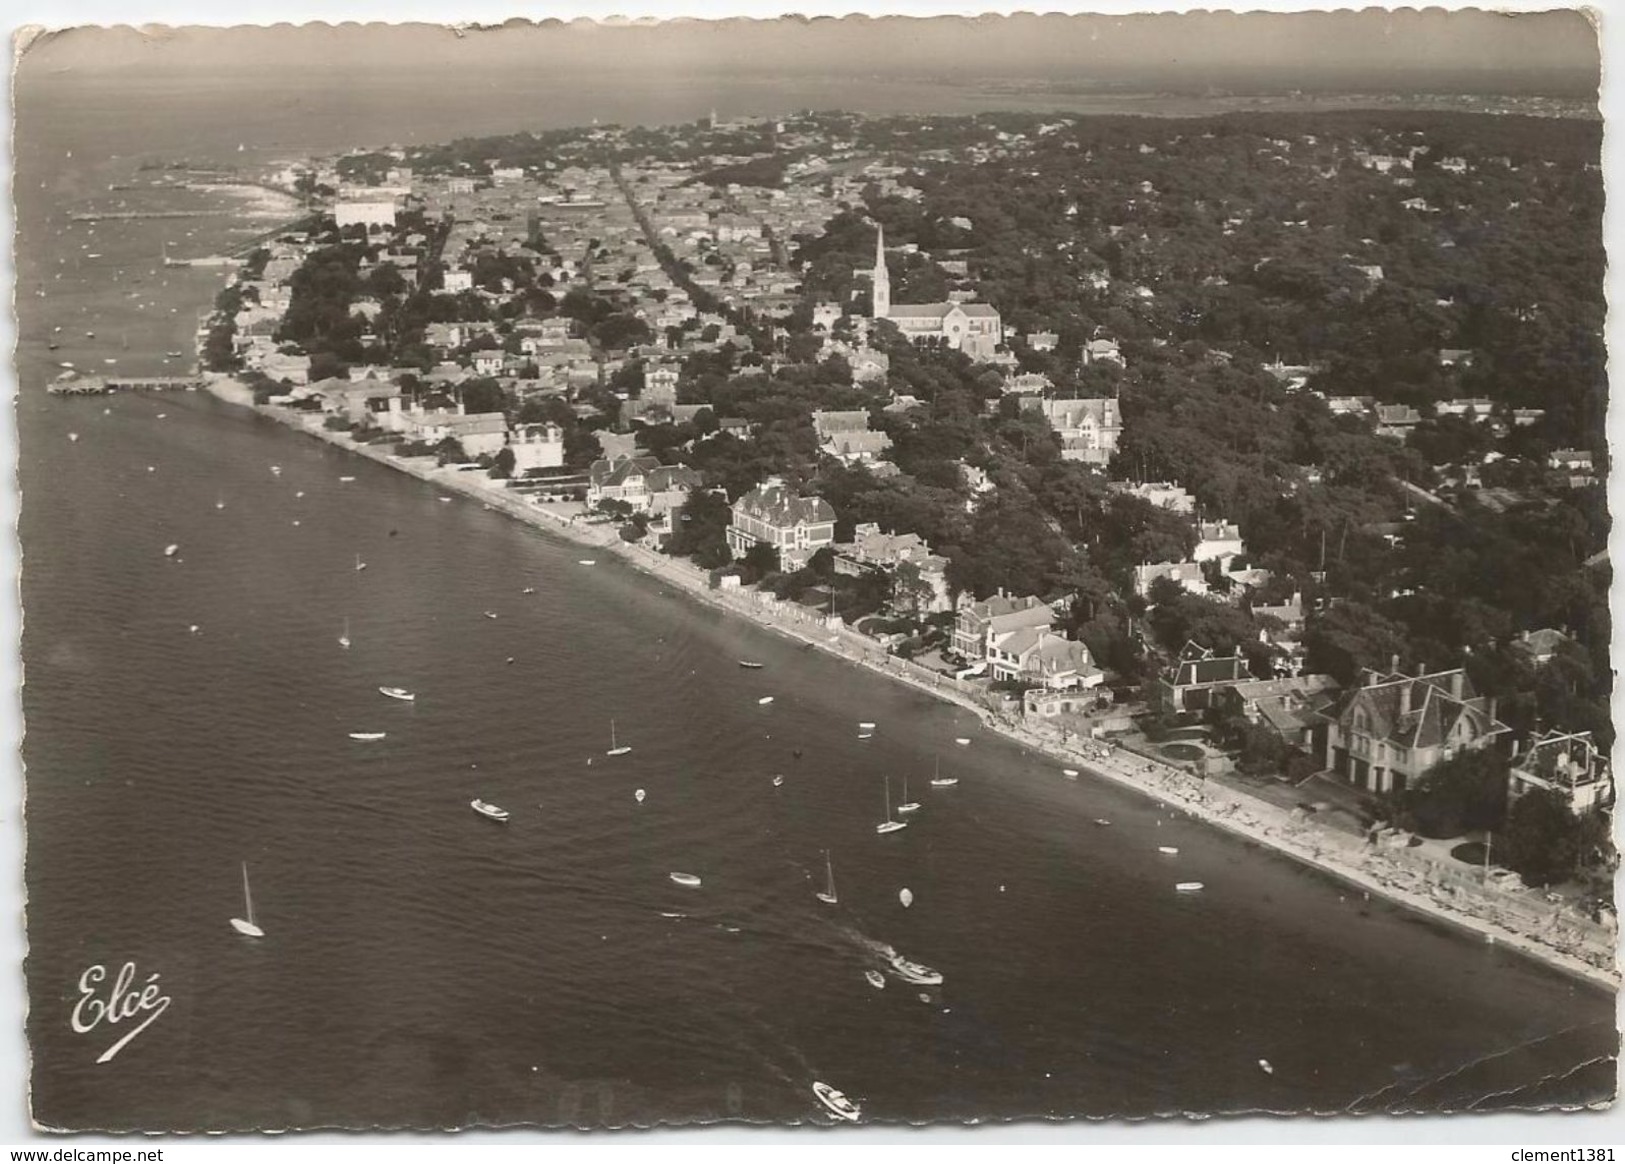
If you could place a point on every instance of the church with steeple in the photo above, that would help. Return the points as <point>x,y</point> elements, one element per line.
<point>972,328</point>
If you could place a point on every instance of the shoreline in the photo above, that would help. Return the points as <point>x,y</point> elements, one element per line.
<point>1346,859</point>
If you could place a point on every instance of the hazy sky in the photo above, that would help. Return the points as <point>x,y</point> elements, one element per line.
<point>1554,49</point>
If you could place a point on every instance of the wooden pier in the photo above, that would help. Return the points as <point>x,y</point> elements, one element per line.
<point>101,385</point>
<point>131,215</point>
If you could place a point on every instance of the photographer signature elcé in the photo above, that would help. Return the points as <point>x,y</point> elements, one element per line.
<point>120,1005</point>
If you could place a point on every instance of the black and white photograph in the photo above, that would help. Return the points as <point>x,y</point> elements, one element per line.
<point>813,572</point>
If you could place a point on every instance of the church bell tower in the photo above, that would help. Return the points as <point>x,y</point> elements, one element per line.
<point>882,281</point>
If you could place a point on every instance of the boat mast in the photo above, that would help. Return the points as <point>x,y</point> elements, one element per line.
<point>248,899</point>
<point>829,871</point>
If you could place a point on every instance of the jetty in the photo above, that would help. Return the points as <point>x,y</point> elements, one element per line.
<point>101,385</point>
<point>131,215</point>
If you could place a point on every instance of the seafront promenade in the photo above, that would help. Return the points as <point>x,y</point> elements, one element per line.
<point>1517,919</point>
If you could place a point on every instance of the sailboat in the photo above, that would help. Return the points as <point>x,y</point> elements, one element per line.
<point>246,927</point>
<point>889,825</point>
<point>907,805</point>
<point>941,781</point>
<point>344,639</point>
<point>616,749</point>
<point>828,896</point>
<point>359,564</point>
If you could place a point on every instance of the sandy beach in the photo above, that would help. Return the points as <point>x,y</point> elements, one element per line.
<point>1515,920</point>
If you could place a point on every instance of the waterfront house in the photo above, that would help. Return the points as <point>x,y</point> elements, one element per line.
<point>1568,763</point>
<point>1391,728</point>
<point>1292,708</point>
<point>621,478</point>
<point>1040,657</point>
<point>1197,677</point>
<point>794,527</point>
<point>361,401</point>
<point>536,446</point>
<point>977,624</point>
<point>873,551</point>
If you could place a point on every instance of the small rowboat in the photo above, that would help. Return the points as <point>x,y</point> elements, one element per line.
<point>1070,773</point>
<point>367,736</point>
<point>876,979</point>
<point>397,693</point>
<point>687,879</point>
<point>1168,850</point>
<point>749,666</point>
<point>489,811</point>
<point>962,741</point>
<point>1189,887</point>
<point>765,700</point>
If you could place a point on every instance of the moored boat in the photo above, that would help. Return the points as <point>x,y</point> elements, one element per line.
<point>489,811</point>
<point>687,879</point>
<point>367,737</point>
<point>876,979</point>
<point>397,693</point>
<point>828,895</point>
<point>1189,887</point>
<point>749,666</point>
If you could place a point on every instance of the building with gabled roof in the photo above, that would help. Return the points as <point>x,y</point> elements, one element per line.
<point>1089,428</point>
<point>870,550</point>
<point>1383,734</point>
<point>1291,708</point>
<point>794,527</point>
<point>1039,656</point>
<point>1196,678</point>
<point>978,624</point>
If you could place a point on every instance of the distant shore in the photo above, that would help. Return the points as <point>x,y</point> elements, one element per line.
<point>1348,859</point>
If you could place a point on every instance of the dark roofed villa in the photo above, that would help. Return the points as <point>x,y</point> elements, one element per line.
<point>796,527</point>
<point>1392,728</point>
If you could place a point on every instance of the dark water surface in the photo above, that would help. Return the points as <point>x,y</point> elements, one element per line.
<point>425,967</point>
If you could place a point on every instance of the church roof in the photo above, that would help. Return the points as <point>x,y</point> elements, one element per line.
<point>940,310</point>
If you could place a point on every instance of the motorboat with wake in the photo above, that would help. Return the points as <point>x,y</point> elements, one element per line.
<point>837,1103</point>
<point>913,971</point>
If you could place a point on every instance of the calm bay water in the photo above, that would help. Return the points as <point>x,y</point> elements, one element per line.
<point>424,967</point>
